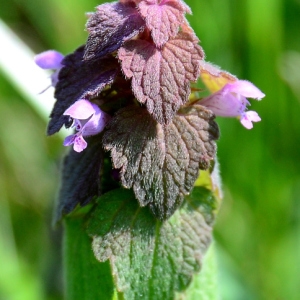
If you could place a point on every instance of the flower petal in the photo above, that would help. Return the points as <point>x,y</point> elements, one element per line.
<point>225,104</point>
<point>78,141</point>
<point>96,123</point>
<point>244,88</point>
<point>82,109</point>
<point>79,144</point>
<point>69,140</point>
<point>248,117</point>
<point>49,59</point>
<point>253,116</point>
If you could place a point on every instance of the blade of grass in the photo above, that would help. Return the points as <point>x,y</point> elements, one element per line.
<point>16,63</point>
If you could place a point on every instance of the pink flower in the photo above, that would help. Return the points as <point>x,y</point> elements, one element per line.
<point>89,120</point>
<point>230,101</point>
<point>50,60</point>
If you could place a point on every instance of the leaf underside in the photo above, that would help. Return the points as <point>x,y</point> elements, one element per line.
<point>150,259</point>
<point>161,163</point>
<point>214,78</point>
<point>80,177</point>
<point>163,19</point>
<point>79,80</point>
<point>161,77</point>
<point>109,27</point>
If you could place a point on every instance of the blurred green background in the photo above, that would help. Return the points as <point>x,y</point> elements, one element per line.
<point>258,229</point>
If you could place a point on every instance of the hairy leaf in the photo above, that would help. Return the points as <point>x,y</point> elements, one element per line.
<point>110,27</point>
<point>161,77</point>
<point>79,80</point>
<point>204,285</point>
<point>150,259</point>
<point>135,2</point>
<point>80,177</point>
<point>163,18</point>
<point>161,163</point>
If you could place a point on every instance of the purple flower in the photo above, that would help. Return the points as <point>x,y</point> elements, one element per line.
<point>230,101</point>
<point>50,60</point>
<point>88,120</point>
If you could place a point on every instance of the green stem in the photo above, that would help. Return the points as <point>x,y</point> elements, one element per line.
<point>85,277</point>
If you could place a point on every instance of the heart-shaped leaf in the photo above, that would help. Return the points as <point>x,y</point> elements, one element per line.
<point>80,177</point>
<point>79,80</point>
<point>163,18</point>
<point>109,27</point>
<point>161,163</point>
<point>161,77</point>
<point>150,259</point>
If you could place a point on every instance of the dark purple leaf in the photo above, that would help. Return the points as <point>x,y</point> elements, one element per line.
<point>109,27</point>
<point>163,18</point>
<point>80,177</point>
<point>161,77</point>
<point>79,80</point>
<point>161,163</point>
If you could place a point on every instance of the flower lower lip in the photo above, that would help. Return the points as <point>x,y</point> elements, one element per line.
<point>230,101</point>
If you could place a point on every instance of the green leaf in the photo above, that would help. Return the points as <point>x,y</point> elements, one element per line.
<point>151,259</point>
<point>205,284</point>
<point>85,277</point>
<point>161,163</point>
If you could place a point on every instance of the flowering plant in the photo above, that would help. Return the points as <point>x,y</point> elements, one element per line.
<point>142,134</point>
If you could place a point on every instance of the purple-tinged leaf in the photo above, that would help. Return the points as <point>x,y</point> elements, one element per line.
<point>80,177</point>
<point>80,80</point>
<point>161,163</point>
<point>161,77</point>
<point>110,26</point>
<point>163,18</point>
<point>130,1</point>
<point>144,252</point>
